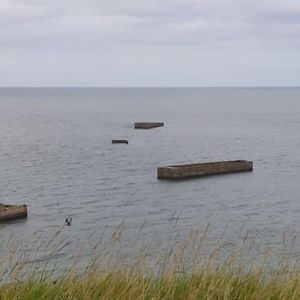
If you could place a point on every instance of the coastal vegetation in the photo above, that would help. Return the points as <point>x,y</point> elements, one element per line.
<point>132,284</point>
<point>180,272</point>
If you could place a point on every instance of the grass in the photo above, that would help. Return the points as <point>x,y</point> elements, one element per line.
<point>181,273</point>
<point>132,284</point>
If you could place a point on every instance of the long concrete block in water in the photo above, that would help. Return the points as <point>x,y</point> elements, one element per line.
<point>12,212</point>
<point>203,169</point>
<point>147,125</point>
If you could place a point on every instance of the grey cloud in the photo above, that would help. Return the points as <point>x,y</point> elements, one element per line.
<point>280,18</point>
<point>152,21</point>
<point>13,13</point>
<point>69,31</point>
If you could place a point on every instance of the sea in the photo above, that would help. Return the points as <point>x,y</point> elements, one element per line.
<point>57,157</point>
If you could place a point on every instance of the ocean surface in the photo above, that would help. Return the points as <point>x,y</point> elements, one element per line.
<point>56,156</point>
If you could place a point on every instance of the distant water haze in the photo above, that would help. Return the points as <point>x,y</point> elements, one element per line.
<point>57,157</point>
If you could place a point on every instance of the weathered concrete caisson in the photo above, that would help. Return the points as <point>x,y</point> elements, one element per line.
<point>120,142</point>
<point>203,169</point>
<point>147,125</point>
<point>12,212</point>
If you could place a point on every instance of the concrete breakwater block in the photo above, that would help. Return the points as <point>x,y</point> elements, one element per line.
<point>147,125</point>
<point>12,212</point>
<point>203,169</point>
<point>120,142</point>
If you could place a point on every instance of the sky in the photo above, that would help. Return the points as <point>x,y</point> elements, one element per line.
<point>149,43</point>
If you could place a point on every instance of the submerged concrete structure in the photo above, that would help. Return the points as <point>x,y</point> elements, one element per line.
<point>120,142</point>
<point>147,125</point>
<point>12,212</point>
<point>203,169</point>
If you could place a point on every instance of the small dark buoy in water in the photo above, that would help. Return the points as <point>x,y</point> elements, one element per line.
<point>120,142</point>
<point>68,221</point>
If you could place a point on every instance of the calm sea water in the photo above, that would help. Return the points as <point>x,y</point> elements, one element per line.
<point>56,156</point>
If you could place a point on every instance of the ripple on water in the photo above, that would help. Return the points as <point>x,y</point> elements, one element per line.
<point>58,158</point>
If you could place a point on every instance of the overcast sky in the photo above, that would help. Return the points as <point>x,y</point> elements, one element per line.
<point>149,43</point>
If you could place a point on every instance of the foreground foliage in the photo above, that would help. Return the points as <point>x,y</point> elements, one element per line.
<point>133,284</point>
<point>182,273</point>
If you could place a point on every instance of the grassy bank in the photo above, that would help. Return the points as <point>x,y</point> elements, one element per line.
<point>178,273</point>
<point>133,284</point>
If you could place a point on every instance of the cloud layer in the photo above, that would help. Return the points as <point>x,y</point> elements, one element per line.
<point>149,42</point>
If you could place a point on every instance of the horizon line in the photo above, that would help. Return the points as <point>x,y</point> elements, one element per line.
<point>143,87</point>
